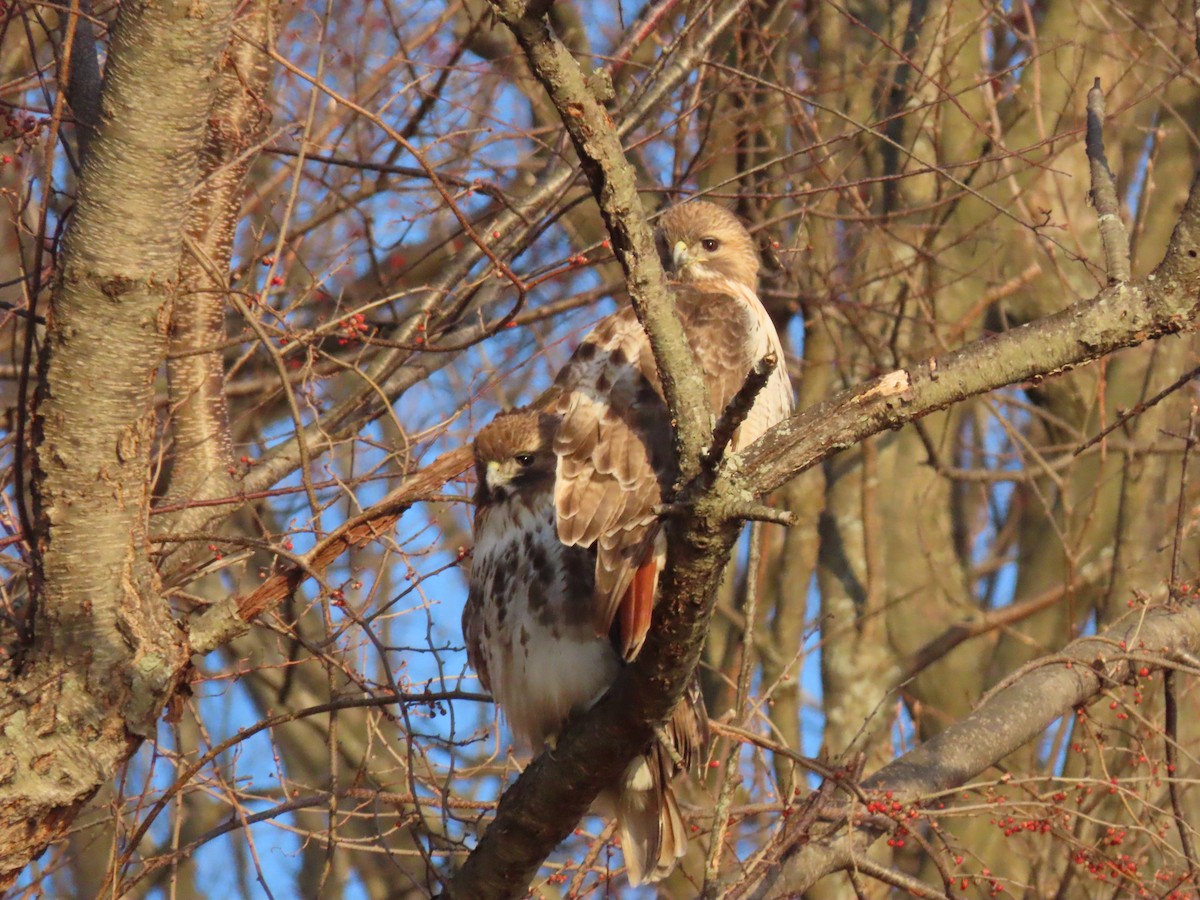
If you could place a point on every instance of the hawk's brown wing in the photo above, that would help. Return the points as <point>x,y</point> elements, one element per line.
<point>614,441</point>
<point>613,446</point>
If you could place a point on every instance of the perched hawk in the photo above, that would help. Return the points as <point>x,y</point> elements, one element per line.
<point>530,635</point>
<point>568,550</point>
<point>614,441</point>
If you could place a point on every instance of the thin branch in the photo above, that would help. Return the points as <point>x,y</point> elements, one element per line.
<point>805,762</point>
<point>729,770</point>
<point>914,887</point>
<point>223,621</point>
<point>1170,702</point>
<point>478,185</point>
<point>734,415</point>
<point>960,632</point>
<point>1181,517</point>
<point>1139,409</point>
<point>1104,191</point>
<point>183,780</point>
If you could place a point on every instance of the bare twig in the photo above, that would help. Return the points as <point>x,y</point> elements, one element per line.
<point>183,779</point>
<point>914,887</point>
<point>1140,408</point>
<point>759,512</point>
<point>477,185</point>
<point>1104,191</point>
<point>734,415</point>
<point>805,762</point>
<point>1181,506</point>
<point>730,777</point>
<point>1170,703</point>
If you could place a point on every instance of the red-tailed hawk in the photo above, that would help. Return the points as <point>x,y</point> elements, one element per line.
<point>530,635</point>
<point>567,547</point>
<point>614,441</point>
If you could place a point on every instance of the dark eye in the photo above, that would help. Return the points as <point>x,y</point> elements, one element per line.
<point>710,244</point>
<point>524,459</point>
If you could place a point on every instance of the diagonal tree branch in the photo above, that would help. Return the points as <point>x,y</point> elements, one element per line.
<point>1004,722</point>
<point>224,621</point>
<point>1166,302</point>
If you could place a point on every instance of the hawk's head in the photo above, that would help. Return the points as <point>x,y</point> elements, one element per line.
<point>699,241</point>
<point>515,454</point>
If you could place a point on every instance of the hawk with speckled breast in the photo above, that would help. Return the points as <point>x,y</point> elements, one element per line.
<point>568,550</point>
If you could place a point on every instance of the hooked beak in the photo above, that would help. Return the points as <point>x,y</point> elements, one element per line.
<point>680,256</point>
<point>492,475</point>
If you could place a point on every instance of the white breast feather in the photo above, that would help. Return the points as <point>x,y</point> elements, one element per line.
<point>540,671</point>
<point>774,401</point>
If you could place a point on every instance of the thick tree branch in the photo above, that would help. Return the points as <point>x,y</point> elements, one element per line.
<point>1004,722</point>
<point>1167,301</point>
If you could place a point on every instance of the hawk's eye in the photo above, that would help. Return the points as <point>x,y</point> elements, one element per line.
<point>710,244</point>
<point>524,460</point>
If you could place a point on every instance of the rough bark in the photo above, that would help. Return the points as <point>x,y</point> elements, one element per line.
<point>106,654</point>
<point>896,260</point>
<point>202,463</point>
